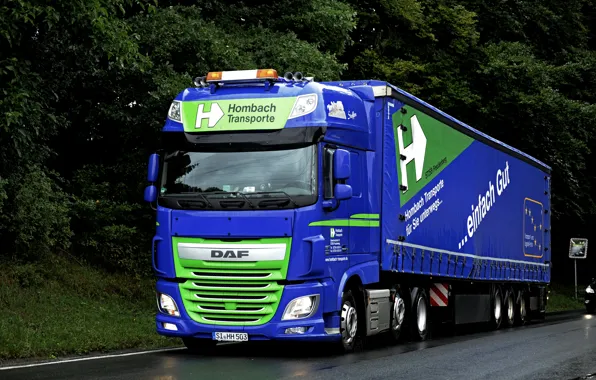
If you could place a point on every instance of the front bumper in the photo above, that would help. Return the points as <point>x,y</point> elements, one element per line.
<point>320,326</point>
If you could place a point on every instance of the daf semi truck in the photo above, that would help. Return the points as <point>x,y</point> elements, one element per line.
<point>294,210</point>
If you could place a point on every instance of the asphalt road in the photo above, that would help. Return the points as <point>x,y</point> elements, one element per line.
<point>562,347</point>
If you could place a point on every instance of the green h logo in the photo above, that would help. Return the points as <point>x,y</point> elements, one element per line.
<point>208,118</point>
<point>413,152</point>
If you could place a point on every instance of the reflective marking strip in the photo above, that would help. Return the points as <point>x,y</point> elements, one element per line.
<point>394,242</point>
<point>439,295</point>
<point>435,300</point>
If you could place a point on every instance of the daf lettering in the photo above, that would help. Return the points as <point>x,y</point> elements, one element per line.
<point>229,254</point>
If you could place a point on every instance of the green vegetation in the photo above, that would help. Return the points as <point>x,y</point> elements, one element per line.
<point>86,86</point>
<point>562,298</point>
<point>59,307</point>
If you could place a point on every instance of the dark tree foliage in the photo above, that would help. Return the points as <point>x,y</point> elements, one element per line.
<point>86,85</point>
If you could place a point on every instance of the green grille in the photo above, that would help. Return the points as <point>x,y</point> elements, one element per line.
<point>231,293</point>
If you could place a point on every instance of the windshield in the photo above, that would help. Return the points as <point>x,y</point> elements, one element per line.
<point>289,173</point>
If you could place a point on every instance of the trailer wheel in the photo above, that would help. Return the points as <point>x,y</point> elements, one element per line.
<point>419,313</point>
<point>348,322</point>
<point>510,308</point>
<point>497,308</point>
<point>521,310</point>
<point>199,346</point>
<point>398,313</point>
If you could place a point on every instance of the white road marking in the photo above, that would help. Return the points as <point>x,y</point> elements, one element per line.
<point>90,358</point>
<point>108,356</point>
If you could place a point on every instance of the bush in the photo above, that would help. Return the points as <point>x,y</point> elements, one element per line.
<point>113,235</point>
<point>35,215</point>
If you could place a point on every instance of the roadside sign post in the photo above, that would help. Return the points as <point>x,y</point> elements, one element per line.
<point>578,250</point>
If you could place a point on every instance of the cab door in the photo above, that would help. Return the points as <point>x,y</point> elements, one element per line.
<point>337,211</point>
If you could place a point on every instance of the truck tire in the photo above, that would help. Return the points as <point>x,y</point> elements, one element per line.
<point>590,308</point>
<point>397,318</point>
<point>521,309</point>
<point>497,308</point>
<point>199,346</point>
<point>348,326</point>
<point>509,316</point>
<point>419,316</point>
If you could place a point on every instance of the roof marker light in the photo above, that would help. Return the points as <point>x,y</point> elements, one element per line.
<point>241,75</point>
<point>267,74</point>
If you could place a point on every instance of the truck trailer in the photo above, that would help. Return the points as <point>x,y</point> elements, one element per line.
<point>294,210</point>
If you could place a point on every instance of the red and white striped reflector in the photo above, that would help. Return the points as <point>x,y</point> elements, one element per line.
<point>238,75</point>
<point>439,294</point>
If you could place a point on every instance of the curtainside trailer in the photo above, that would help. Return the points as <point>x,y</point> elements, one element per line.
<point>289,209</point>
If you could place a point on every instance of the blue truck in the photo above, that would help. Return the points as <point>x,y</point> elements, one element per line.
<point>288,209</point>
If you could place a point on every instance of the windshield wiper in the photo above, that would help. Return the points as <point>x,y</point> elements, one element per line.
<point>245,197</point>
<point>206,200</point>
<point>232,193</point>
<point>277,192</point>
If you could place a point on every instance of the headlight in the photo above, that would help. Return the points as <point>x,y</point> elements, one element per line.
<point>304,105</point>
<point>301,307</point>
<point>167,305</point>
<point>175,112</point>
<point>589,289</point>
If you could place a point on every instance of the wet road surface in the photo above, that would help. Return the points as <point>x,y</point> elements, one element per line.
<point>562,347</point>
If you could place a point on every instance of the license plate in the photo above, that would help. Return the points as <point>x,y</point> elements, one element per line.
<point>230,337</point>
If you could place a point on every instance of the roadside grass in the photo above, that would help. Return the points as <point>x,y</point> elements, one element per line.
<point>59,307</point>
<point>562,298</point>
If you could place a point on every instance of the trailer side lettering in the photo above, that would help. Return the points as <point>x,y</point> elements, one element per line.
<point>503,179</point>
<point>487,200</point>
<point>429,203</point>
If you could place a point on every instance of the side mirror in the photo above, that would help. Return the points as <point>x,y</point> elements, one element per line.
<point>150,194</point>
<point>153,168</point>
<point>341,164</point>
<point>343,192</point>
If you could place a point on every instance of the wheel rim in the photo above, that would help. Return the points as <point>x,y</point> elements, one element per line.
<point>421,314</point>
<point>510,309</point>
<point>522,308</point>
<point>399,312</point>
<point>349,323</point>
<point>497,306</point>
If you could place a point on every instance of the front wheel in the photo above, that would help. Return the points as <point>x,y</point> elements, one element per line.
<point>590,308</point>
<point>348,322</point>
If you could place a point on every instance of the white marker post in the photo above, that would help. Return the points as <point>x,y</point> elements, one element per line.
<point>578,249</point>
